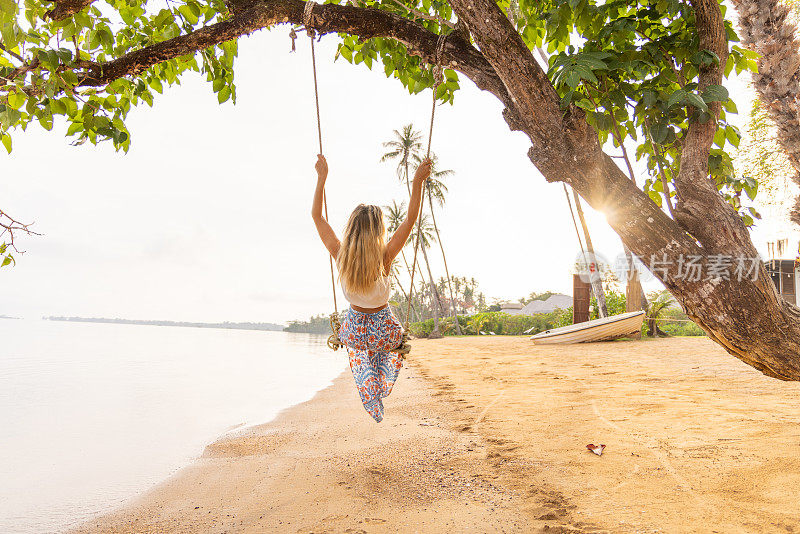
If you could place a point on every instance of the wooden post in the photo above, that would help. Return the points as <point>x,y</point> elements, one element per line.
<point>633,297</point>
<point>597,283</point>
<point>633,293</point>
<point>581,297</point>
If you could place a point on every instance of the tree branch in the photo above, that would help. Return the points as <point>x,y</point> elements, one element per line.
<point>698,208</point>
<point>9,225</point>
<point>66,8</point>
<point>250,16</point>
<point>11,53</point>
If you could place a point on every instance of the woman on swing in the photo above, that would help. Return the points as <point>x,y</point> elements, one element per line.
<point>364,260</point>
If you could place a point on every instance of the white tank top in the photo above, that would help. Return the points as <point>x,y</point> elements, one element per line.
<point>376,297</point>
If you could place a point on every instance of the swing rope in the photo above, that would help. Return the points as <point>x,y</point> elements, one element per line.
<point>333,340</point>
<point>404,347</point>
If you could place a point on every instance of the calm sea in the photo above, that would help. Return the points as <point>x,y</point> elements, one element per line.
<point>92,414</point>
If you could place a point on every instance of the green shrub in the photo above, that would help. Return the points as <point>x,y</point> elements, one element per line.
<point>676,323</point>
<point>494,322</point>
<point>318,324</point>
<point>615,302</point>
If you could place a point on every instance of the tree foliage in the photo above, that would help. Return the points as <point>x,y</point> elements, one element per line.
<point>632,65</point>
<point>54,67</point>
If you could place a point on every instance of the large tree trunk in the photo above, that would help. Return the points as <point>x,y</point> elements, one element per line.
<point>453,310</point>
<point>764,28</point>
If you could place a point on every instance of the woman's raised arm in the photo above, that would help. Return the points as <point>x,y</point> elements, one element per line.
<point>398,240</point>
<point>326,233</point>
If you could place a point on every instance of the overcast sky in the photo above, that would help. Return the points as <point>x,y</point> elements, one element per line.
<point>207,217</point>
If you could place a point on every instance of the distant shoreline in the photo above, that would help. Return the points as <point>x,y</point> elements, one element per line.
<point>272,327</point>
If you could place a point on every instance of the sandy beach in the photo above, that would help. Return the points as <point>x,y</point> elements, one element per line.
<point>489,435</point>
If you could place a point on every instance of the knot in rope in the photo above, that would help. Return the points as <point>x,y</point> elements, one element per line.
<point>437,66</point>
<point>307,12</point>
<point>333,340</point>
<point>404,347</point>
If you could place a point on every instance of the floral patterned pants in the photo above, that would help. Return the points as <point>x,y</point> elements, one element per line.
<point>369,338</point>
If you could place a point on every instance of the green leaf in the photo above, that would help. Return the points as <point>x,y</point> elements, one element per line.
<point>9,35</point>
<point>82,19</point>
<point>591,62</point>
<point>715,93</point>
<point>586,73</point>
<point>224,94</point>
<point>188,14</point>
<point>10,117</point>
<point>16,99</point>
<point>572,79</point>
<point>649,98</point>
<point>155,83</point>
<point>74,128</point>
<point>719,137</point>
<point>676,97</point>
<point>695,100</point>
<point>6,143</point>
<point>732,135</point>
<point>751,190</point>
<point>346,53</point>
<point>58,107</point>
<point>659,132</point>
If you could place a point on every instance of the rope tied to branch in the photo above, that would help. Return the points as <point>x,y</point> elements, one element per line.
<point>404,347</point>
<point>307,12</point>
<point>333,340</point>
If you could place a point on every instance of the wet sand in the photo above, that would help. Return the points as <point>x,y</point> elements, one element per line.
<point>488,435</point>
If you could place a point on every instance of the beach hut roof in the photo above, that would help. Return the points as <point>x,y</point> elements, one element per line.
<point>554,302</point>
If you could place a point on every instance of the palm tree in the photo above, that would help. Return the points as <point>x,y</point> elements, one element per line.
<point>769,28</point>
<point>395,215</point>
<point>406,144</point>
<point>457,284</point>
<point>413,309</point>
<point>426,237</point>
<point>659,301</point>
<point>406,147</point>
<point>436,189</point>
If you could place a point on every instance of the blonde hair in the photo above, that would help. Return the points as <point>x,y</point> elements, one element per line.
<point>360,259</point>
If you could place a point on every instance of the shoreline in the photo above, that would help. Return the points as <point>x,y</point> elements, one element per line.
<point>227,325</point>
<point>232,432</point>
<point>355,476</point>
<point>490,434</point>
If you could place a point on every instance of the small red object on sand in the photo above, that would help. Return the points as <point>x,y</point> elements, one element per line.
<point>597,449</point>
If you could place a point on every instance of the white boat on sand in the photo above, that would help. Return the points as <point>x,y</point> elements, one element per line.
<point>604,329</point>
